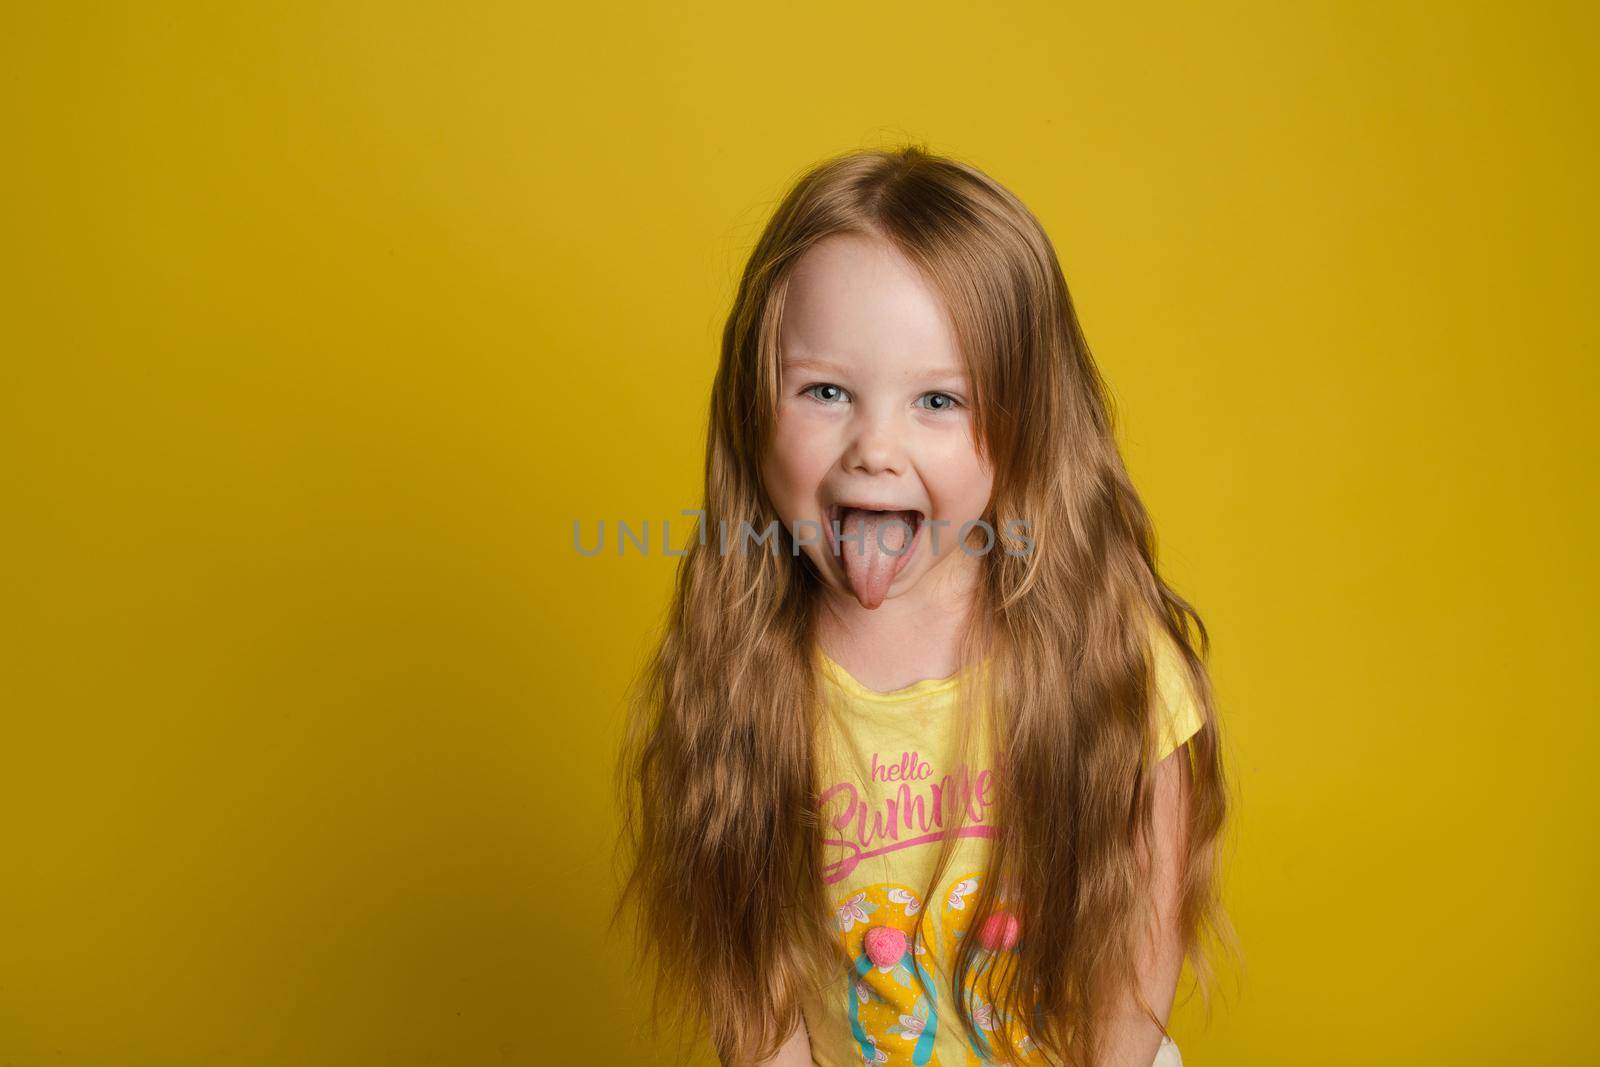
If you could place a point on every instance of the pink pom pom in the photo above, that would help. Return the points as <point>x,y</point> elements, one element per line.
<point>1000,931</point>
<point>885,945</point>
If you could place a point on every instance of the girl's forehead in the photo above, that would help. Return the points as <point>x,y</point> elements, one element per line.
<point>850,296</point>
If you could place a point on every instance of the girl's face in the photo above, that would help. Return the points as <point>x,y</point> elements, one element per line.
<point>874,412</point>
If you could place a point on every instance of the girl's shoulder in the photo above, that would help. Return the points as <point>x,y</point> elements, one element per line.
<point>1175,700</point>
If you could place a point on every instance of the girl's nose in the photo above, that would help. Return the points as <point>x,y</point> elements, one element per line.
<point>876,448</point>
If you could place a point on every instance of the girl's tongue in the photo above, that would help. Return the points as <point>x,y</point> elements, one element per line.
<point>871,569</point>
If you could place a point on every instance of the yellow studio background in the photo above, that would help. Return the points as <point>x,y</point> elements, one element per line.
<point>324,322</point>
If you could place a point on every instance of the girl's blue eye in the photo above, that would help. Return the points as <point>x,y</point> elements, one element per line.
<point>815,392</point>
<point>810,389</point>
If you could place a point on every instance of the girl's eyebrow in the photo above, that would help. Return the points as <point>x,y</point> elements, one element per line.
<point>812,364</point>
<point>948,374</point>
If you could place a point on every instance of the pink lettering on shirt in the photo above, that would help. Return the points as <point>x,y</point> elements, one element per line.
<point>909,769</point>
<point>903,817</point>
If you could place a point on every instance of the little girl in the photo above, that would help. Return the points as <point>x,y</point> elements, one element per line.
<point>925,769</point>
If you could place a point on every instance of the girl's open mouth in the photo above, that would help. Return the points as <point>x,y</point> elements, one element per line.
<point>873,545</point>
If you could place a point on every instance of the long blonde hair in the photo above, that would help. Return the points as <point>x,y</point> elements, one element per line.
<point>717,776</point>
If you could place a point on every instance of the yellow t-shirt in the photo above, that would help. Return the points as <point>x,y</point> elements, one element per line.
<point>885,759</point>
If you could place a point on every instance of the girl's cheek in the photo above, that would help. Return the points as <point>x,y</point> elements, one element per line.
<point>803,443</point>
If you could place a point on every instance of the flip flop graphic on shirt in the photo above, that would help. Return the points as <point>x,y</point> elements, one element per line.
<point>892,996</point>
<point>1000,933</point>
